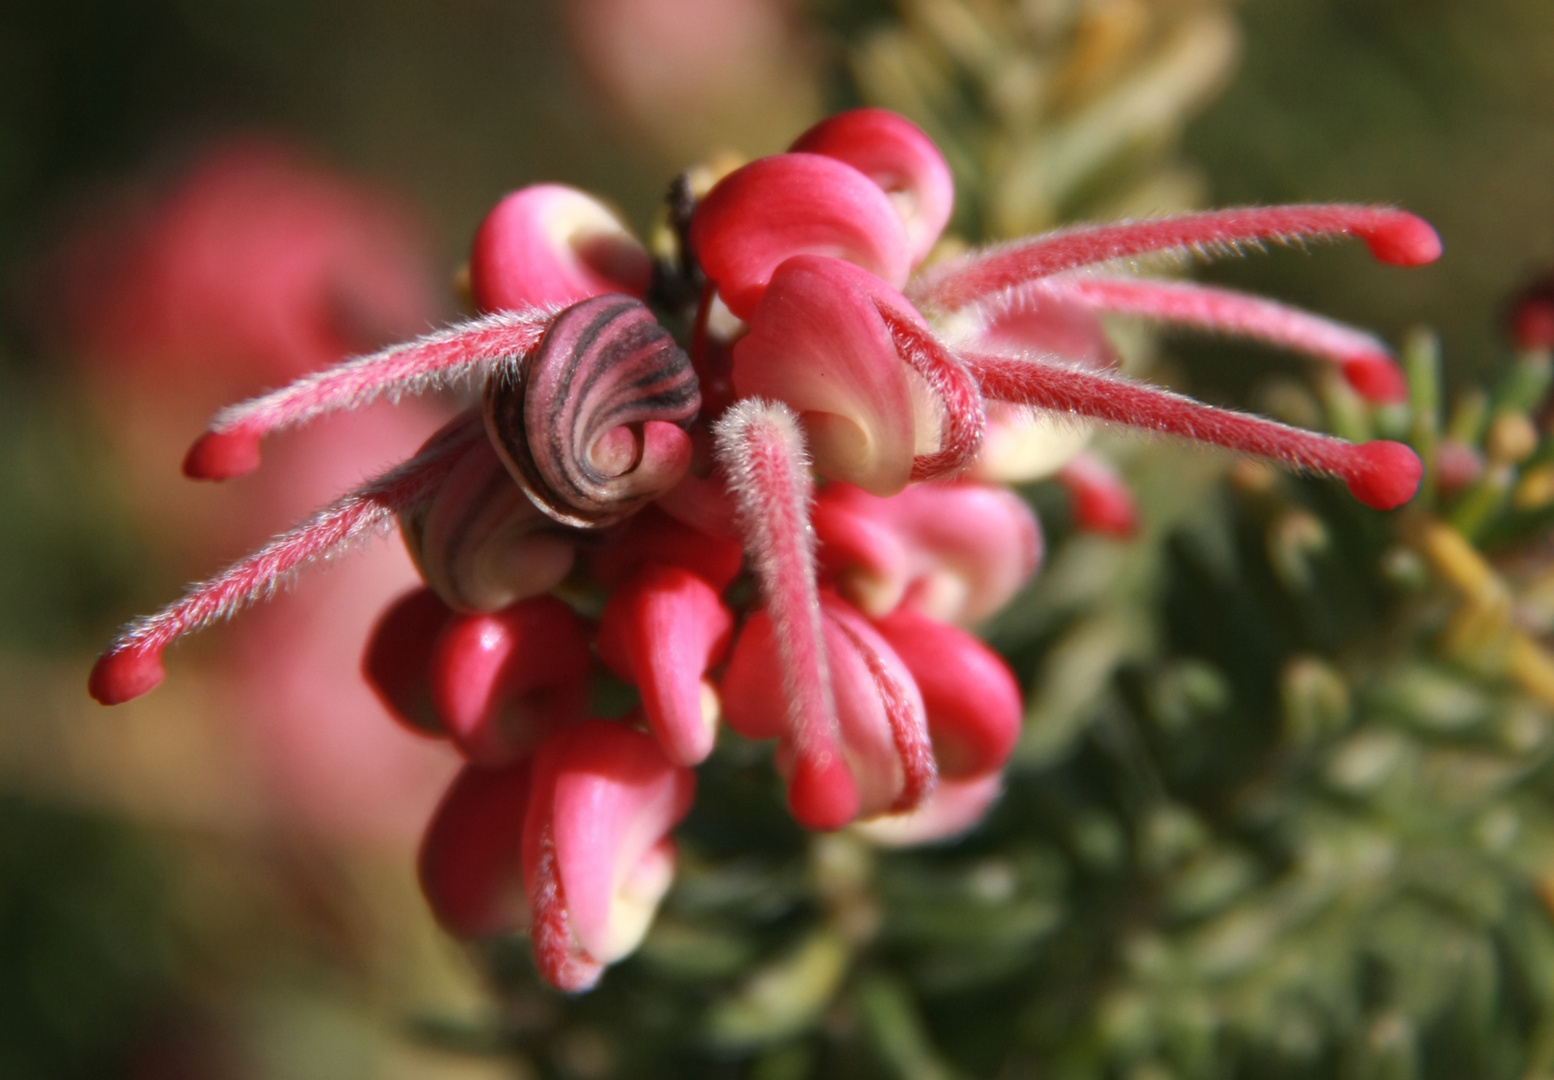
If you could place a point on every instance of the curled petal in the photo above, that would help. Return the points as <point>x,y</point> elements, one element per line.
<point>955,807</point>
<point>552,245</point>
<point>1102,502</point>
<point>596,850</point>
<point>763,214</point>
<point>895,153</point>
<point>957,552</point>
<point>653,538</point>
<point>1393,236</point>
<point>477,540</point>
<point>501,682</point>
<point>592,427</point>
<point>398,660</point>
<point>471,861</point>
<point>971,697</point>
<point>663,631</point>
<point>819,344</point>
<point>883,729</point>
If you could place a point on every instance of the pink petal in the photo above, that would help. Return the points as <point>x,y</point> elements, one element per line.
<point>881,714</point>
<point>971,697</point>
<point>605,798</point>
<point>397,662</point>
<point>818,344</point>
<point>664,630</point>
<point>653,538</point>
<point>958,552</point>
<point>1101,499</point>
<point>763,214</point>
<point>471,865</point>
<point>895,153</point>
<point>501,682</point>
<point>955,807</point>
<point>1042,318</point>
<point>552,245</point>
<point>884,747</point>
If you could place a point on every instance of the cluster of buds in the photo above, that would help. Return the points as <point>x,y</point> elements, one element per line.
<point>785,519</point>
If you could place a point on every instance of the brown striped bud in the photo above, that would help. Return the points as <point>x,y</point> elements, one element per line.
<point>592,425</point>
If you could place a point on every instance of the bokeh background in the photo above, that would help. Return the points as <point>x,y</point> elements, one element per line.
<point>217,882</point>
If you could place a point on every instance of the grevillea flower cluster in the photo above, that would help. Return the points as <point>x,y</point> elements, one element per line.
<point>785,518</point>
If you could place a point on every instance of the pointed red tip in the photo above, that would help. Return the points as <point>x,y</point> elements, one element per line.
<point>125,674</point>
<point>1386,474</point>
<point>1401,239</point>
<point>1377,378</point>
<point>220,455</point>
<point>822,793</point>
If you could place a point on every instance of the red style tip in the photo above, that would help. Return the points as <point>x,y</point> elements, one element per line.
<point>125,674</point>
<point>822,794</point>
<point>1377,378</point>
<point>1401,239</point>
<point>221,455</point>
<point>1385,475</point>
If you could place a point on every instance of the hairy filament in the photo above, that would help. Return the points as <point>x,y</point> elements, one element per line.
<point>761,449</point>
<point>1394,236</point>
<point>960,400</point>
<point>1365,361</point>
<point>231,446</point>
<point>1380,474</point>
<point>132,665</point>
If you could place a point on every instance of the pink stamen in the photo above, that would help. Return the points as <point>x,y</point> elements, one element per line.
<point>965,419</point>
<point>133,665</point>
<point>1393,236</point>
<point>231,446</point>
<point>1380,474</point>
<point>761,448</point>
<point>1365,361</point>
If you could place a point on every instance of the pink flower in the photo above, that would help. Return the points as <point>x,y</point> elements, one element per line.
<point>832,388</point>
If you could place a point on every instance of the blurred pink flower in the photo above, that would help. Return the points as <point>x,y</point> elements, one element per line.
<point>689,74</point>
<point>253,265</point>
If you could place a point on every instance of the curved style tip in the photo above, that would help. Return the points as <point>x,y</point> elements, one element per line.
<point>221,455</point>
<point>1399,238</point>
<point>125,674</point>
<point>1386,475</point>
<point>1377,378</point>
